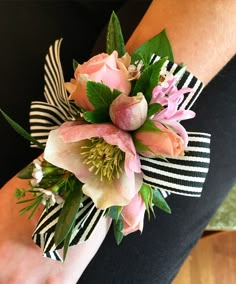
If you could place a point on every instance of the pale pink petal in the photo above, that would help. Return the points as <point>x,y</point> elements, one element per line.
<point>133,215</point>
<point>72,132</point>
<point>65,155</point>
<point>183,115</point>
<point>116,192</point>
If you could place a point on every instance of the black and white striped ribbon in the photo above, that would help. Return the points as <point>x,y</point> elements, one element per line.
<point>87,218</point>
<point>46,116</point>
<point>183,175</point>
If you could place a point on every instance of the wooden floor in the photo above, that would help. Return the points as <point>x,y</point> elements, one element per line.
<point>212,261</point>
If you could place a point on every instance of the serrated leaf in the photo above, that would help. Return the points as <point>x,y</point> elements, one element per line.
<point>158,45</point>
<point>21,130</point>
<point>75,64</point>
<point>99,95</point>
<point>118,227</point>
<point>68,212</point>
<point>159,201</point>
<point>149,79</point>
<point>153,109</point>
<point>114,38</point>
<point>97,116</point>
<point>26,173</point>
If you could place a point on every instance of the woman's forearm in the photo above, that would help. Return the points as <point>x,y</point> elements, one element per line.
<point>202,33</point>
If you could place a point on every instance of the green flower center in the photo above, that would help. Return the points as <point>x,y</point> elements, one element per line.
<point>103,159</point>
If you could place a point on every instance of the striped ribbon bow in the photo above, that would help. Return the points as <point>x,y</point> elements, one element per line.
<point>183,175</point>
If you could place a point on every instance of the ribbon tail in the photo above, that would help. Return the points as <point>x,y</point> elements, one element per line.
<point>87,219</point>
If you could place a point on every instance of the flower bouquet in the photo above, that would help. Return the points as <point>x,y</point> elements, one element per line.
<point>112,141</point>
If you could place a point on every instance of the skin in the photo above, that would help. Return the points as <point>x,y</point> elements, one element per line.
<point>199,32</point>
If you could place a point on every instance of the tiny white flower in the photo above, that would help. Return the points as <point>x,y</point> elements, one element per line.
<point>37,172</point>
<point>165,76</point>
<point>50,196</point>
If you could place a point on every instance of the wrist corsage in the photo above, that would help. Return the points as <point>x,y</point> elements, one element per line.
<point>113,145</point>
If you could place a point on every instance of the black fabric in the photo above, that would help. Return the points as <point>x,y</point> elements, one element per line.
<point>156,256</point>
<point>27,29</point>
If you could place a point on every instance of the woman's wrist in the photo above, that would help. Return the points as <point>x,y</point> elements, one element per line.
<point>202,33</point>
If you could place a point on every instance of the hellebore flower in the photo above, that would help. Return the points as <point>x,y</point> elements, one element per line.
<point>101,156</point>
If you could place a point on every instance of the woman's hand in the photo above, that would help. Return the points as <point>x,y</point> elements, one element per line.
<point>21,261</point>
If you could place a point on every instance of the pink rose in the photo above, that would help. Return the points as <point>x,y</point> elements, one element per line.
<point>104,68</point>
<point>101,156</point>
<point>163,143</point>
<point>133,215</point>
<point>129,113</point>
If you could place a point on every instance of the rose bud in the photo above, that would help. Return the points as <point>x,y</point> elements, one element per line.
<point>129,113</point>
<point>154,139</point>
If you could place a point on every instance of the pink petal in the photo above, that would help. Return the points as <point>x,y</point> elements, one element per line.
<point>65,156</point>
<point>74,131</point>
<point>116,192</point>
<point>133,215</point>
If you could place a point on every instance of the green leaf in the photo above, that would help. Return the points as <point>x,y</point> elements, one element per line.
<point>148,126</point>
<point>19,193</point>
<point>66,243</point>
<point>140,147</point>
<point>75,64</point>
<point>118,227</point>
<point>114,39</point>
<point>159,201</point>
<point>33,205</point>
<point>21,130</point>
<point>153,109</point>
<point>158,45</point>
<point>114,212</point>
<point>96,116</point>
<point>49,181</point>
<point>99,95</point>
<point>115,94</point>
<point>26,173</point>
<point>149,79</point>
<point>69,211</point>
<point>146,192</point>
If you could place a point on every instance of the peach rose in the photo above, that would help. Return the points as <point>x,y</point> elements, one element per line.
<point>163,143</point>
<point>104,68</point>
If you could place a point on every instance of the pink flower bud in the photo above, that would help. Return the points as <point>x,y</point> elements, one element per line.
<point>133,215</point>
<point>129,113</point>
